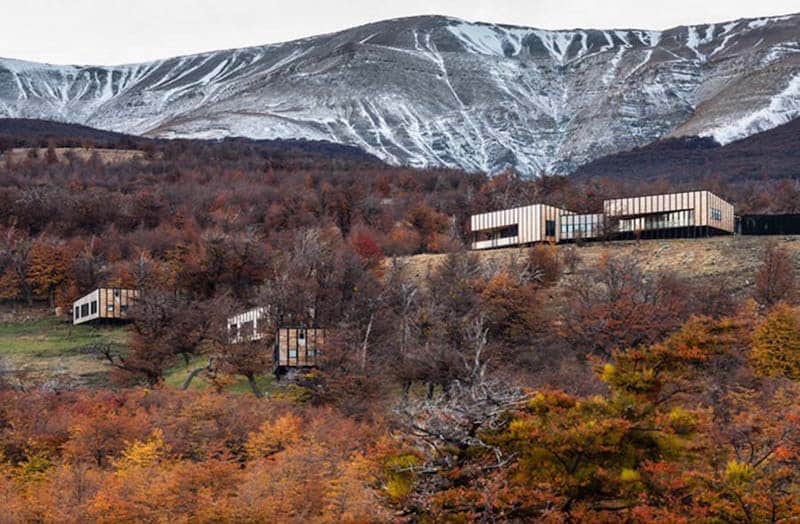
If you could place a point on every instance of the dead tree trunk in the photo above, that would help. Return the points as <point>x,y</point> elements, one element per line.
<point>365,344</point>
<point>251,379</point>
<point>193,374</point>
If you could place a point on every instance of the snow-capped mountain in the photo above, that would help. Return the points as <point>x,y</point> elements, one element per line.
<point>435,91</point>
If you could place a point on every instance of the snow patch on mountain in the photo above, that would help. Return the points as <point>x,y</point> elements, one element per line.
<point>481,39</point>
<point>783,107</point>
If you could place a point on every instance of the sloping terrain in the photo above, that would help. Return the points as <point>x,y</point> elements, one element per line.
<point>435,91</point>
<point>53,348</point>
<point>770,154</point>
<point>31,133</point>
<point>36,346</point>
<point>735,258</point>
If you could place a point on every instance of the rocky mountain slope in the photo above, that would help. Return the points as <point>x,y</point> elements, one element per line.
<point>434,91</point>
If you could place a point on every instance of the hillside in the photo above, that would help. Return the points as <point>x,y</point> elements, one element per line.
<point>735,258</point>
<point>50,348</point>
<point>433,91</point>
<point>21,133</point>
<point>62,154</point>
<point>771,154</point>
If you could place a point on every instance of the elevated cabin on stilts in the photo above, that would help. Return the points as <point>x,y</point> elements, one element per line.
<point>104,304</point>
<point>294,347</point>
<point>298,347</point>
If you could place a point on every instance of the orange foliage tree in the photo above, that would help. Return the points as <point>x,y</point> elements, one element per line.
<point>47,267</point>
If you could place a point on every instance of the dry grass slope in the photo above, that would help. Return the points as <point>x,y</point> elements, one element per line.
<point>733,257</point>
<point>107,156</point>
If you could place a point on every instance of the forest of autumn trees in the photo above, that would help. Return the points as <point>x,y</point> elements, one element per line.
<point>702,423</point>
<point>549,388</point>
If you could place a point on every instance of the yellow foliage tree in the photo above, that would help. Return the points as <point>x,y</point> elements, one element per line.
<point>776,344</point>
<point>274,436</point>
<point>143,453</point>
<point>350,496</point>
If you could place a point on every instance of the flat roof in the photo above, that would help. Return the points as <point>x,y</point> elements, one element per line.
<point>665,194</point>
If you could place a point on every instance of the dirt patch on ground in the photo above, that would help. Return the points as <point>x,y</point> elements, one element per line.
<point>107,156</point>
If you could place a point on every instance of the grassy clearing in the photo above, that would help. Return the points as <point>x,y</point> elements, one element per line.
<point>177,375</point>
<point>49,348</point>
<point>50,337</point>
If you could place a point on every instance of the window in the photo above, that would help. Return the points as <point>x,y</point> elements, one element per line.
<point>248,330</point>
<point>123,308</point>
<point>94,307</point>
<point>110,308</point>
<point>550,228</point>
<point>85,310</point>
<point>716,214</point>
<point>77,312</point>
<point>510,231</point>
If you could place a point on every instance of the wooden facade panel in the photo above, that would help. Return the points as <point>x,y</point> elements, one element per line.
<point>707,209</point>
<point>298,347</point>
<point>495,219</point>
<point>643,213</point>
<point>620,207</point>
<point>720,214</point>
<point>116,302</point>
<point>531,222</point>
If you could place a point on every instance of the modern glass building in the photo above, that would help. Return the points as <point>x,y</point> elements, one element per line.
<point>684,214</point>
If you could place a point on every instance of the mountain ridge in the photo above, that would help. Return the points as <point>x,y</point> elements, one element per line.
<point>397,19</point>
<point>435,91</point>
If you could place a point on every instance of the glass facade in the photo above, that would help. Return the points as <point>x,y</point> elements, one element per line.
<point>575,227</point>
<point>684,213</point>
<point>657,221</point>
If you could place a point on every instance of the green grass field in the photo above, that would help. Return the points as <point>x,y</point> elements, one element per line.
<point>50,337</point>
<point>177,375</point>
<point>48,348</point>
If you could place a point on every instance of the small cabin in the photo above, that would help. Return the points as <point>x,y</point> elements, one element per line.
<point>248,326</point>
<point>297,347</point>
<point>105,303</point>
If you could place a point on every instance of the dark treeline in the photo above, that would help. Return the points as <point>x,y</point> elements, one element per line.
<point>758,159</point>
